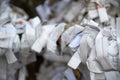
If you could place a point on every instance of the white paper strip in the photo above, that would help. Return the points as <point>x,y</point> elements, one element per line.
<point>118,38</point>
<point>74,61</point>
<point>102,13</point>
<point>22,74</point>
<point>93,14</point>
<point>97,76</point>
<point>75,42</point>
<point>10,57</point>
<point>35,22</point>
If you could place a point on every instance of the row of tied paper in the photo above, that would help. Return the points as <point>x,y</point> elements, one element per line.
<point>84,38</point>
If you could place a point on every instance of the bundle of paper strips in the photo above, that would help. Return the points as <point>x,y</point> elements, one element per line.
<point>80,42</point>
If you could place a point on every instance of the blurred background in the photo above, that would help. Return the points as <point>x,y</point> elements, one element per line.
<point>49,66</point>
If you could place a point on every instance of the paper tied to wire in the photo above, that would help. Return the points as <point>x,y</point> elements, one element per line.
<point>54,36</point>
<point>69,34</point>
<point>41,42</point>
